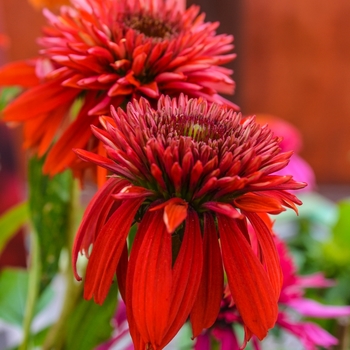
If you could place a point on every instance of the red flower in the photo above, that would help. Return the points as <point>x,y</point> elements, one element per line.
<point>191,176</point>
<point>104,52</point>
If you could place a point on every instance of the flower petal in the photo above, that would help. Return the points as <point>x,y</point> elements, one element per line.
<point>256,203</point>
<point>147,221</point>
<point>94,218</point>
<point>19,73</point>
<point>153,282</point>
<point>249,285</point>
<point>269,252</point>
<point>187,273</point>
<point>107,250</point>
<point>207,305</point>
<point>311,308</point>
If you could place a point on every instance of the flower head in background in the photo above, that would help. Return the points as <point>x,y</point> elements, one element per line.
<point>292,299</point>
<point>104,52</point>
<point>189,174</point>
<point>292,141</point>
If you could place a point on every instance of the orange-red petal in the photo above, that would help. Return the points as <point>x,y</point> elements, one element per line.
<point>207,305</point>
<point>107,250</point>
<point>249,284</point>
<point>153,282</point>
<point>20,73</point>
<point>94,218</point>
<point>187,273</point>
<point>269,252</point>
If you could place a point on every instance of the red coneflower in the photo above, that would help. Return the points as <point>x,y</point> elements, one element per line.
<point>108,52</point>
<point>192,175</point>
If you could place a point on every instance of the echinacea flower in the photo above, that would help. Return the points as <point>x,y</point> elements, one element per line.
<point>105,52</point>
<point>292,298</point>
<point>190,174</point>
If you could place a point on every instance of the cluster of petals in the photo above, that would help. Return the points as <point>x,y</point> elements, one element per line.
<point>292,302</point>
<point>292,141</point>
<point>101,52</point>
<point>190,176</point>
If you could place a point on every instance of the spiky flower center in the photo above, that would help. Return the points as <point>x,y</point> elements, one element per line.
<point>199,127</point>
<point>150,26</point>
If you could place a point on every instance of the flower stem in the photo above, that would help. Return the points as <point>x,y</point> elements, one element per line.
<point>33,289</point>
<point>56,335</point>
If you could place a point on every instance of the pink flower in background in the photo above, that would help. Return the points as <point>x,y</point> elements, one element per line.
<point>292,141</point>
<point>292,299</point>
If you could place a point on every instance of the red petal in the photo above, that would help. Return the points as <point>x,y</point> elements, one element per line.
<point>19,73</point>
<point>77,135</point>
<point>122,271</point>
<point>187,273</point>
<point>223,208</point>
<point>40,99</point>
<point>107,250</point>
<point>270,256</point>
<point>153,281</point>
<point>175,212</point>
<point>207,305</point>
<point>146,222</point>
<point>248,282</point>
<point>256,203</point>
<point>94,218</point>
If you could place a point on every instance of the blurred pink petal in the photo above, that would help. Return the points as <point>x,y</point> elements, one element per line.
<point>309,334</point>
<point>311,308</point>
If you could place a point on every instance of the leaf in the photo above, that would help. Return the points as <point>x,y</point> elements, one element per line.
<point>11,221</point>
<point>49,205</point>
<point>13,295</point>
<point>337,248</point>
<point>90,324</point>
<point>7,94</point>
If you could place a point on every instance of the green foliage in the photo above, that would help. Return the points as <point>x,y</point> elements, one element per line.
<point>7,94</point>
<point>13,296</point>
<point>11,221</point>
<point>90,324</point>
<point>49,205</point>
<point>337,249</point>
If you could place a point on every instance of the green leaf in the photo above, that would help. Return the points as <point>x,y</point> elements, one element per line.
<point>13,295</point>
<point>11,221</point>
<point>337,248</point>
<point>90,324</point>
<point>7,94</point>
<point>50,206</point>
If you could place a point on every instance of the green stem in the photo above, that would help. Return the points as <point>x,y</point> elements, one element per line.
<point>33,289</point>
<point>55,338</point>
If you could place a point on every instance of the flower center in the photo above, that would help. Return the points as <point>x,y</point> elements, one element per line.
<point>199,128</point>
<point>150,26</point>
